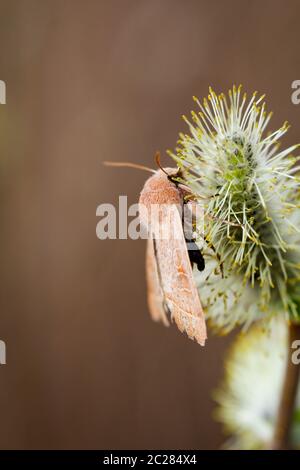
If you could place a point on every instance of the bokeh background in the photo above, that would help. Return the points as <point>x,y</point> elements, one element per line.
<point>89,81</point>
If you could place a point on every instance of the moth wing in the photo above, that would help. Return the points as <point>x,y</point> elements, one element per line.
<point>178,284</point>
<point>156,302</point>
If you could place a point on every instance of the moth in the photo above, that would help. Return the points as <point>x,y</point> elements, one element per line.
<point>172,292</point>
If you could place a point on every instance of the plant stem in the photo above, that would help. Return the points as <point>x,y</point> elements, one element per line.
<point>288,396</point>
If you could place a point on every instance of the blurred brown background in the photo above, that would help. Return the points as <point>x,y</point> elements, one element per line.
<point>89,81</point>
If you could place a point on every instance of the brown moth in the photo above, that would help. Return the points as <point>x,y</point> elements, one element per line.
<point>172,291</point>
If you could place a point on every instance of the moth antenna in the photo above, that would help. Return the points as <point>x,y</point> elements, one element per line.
<point>157,160</point>
<point>129,165</point>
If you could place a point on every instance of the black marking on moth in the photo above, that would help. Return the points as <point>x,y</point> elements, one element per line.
<point>195,255</point>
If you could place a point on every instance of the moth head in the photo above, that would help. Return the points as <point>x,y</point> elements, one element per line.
<point>158,191</point>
